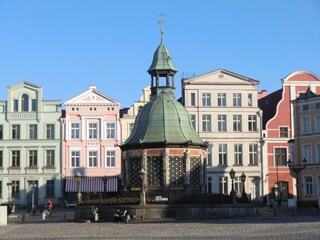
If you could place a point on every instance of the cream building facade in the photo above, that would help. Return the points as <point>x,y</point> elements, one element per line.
<point>224,111</point>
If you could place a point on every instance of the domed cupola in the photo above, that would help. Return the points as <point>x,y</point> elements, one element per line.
<point>163,142</point>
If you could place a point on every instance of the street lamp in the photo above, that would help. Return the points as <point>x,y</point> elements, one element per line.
<point>243,179</point>
<point>143,194</point>
<point>33,185</point>
<point>78,179</point>
<point>232,174</point>
<point>297,168</point>
<point>105,180</point>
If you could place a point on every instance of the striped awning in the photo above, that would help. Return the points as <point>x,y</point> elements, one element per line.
<point>91,184</point>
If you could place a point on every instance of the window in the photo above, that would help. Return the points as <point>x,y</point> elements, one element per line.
<point>25,103</point>
<point>318,105</point>
<point>209,155</point>
<point>317,123</point>
<point>253,154</point>
<point>193,121</point>
<point>131,126</point>
<point>50,188</point>
<point>15,189</point>
<point>15,105</point>
<point>206,123</point>
<point>1,132</point>
<point>16,132</point>
<point>50,157</point>
<point>75,158</point>
<point>50,131</point>
<point>93,159</point>
<point>223,185</point>
<point>305,128</point>
<point>250,99</point>
<point>75,130</point>
<point>34,105</point>
<point>308,185</point>
<point>237,99</point>
<point>93,130</point>
<point>306,152</point>
<point>280,156</point>
<point>223,154</point>
<point>193,99</point>
<point>305,107</point>
<point>110,158</point>
<point>238,154</point>
<point>318,153</point>
<point>206,99</point>
<point>222,123</point>
<point>15,160</point>
<point>238,185</point>
<point>33,131</point>
<point>222,99</point>
<point>237,123</point>
<point>0,189</point>
<point>252,123</point>
<point>283,132</point>
<point>111,130</point>
<point>33,158</point>
<point>1,158</point>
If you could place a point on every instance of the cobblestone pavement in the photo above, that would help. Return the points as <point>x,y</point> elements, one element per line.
<point>60,226</point>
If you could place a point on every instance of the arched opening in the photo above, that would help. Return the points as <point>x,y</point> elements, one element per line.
<point>25,103</point>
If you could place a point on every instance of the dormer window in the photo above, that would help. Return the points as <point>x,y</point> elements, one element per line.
<point>25,103</point>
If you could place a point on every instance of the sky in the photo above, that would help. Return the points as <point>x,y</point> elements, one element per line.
<point>65,46</point>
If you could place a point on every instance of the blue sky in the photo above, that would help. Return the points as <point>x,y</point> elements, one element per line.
<point>67,45</point>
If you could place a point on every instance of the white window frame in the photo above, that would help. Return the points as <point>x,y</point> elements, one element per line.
<point>317,123</point>
<point>93,131</point>
<point>317,152</point>
<point>93,160</point>
<point>111,130</point>
<point>222,99</point>
<point>206,123</point>
<point>109,159</point>
<point>75,159</point>
<point>223,185</point>
<point>50,131</point>
<point>222,123</point>
<point>193,121</point>
<point>237,123</point>
<point>252,123</point>
<point>253,154</point>
<point>305,125</point>
<point>50,158</point>
<point>307,152</point>
<point>192,99</point>
<point>209,157</point>
<point>237,100</point>
<point>206,99</point>
<point>308,185</point>
<point>238,154</point>
<point>250,99</point>
<point>223,154</point>
<point>33,131</point>
<point>75,131</point>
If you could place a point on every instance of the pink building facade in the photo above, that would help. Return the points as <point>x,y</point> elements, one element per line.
<point>90,134</point>
<point>278,125</point>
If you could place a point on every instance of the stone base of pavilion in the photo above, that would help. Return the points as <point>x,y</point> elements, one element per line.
<point>168,211</point>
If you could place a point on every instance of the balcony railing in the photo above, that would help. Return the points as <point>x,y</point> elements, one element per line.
<point>21,115</point>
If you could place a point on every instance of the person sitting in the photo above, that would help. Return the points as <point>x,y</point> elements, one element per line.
<point>49,207</point>
<point>117,216</point>
<point>125,217</point>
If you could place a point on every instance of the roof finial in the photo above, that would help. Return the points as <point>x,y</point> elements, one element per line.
<point>161,22</point>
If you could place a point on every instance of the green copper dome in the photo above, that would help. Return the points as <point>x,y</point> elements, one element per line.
<point>162,60</point>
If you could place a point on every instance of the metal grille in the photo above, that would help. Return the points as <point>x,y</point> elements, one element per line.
<point>195,170</point>
<point>134,167</point>
<point>155,171</point>
<point>177,171</point>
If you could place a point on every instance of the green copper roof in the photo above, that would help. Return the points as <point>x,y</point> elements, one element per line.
<point>163,121</point>
<point>162,60</point>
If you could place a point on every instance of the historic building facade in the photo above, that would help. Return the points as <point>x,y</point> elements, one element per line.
<point>224,111</point>
<point>278,125</point>
<point>305,148</point>
<point>30,146</point>
<point>128,115</point>
<point>90,135</point>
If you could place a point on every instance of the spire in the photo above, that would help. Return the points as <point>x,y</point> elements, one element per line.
<point>161,23</point>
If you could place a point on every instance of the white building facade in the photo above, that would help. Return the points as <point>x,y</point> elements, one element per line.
<point>224,111</point>
<point>30,147</point>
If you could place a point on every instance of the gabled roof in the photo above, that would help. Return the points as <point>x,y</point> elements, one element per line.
<point>24,83</point>
<point>221,75</point>
<point>307,95</point>
<point>92,96</point>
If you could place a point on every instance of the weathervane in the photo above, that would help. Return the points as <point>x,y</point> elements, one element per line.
<point>161,22</point>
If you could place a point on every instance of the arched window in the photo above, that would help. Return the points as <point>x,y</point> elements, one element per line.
<point>25,103</point>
